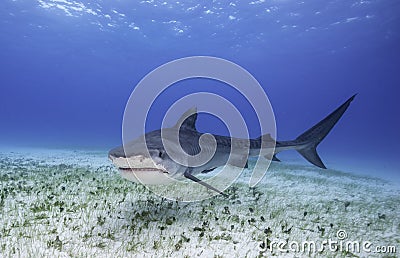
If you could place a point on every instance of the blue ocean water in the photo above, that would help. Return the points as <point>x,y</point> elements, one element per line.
<point>68,67</point>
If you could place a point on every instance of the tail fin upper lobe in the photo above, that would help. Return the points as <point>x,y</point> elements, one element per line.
<point>312,137</point>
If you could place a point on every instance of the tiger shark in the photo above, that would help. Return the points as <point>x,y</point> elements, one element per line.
<point>146,159</point>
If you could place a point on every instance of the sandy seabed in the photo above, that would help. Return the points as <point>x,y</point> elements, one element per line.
<point>63,203</point>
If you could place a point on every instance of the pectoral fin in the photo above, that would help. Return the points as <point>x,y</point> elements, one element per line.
<point>195,179</point>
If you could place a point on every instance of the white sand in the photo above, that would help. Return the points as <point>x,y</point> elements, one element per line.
<point>61,203</point>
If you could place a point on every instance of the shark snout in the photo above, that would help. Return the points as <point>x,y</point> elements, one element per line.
<point>118,157</point>
<point>117,152</point>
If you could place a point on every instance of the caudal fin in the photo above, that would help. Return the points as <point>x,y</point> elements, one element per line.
<point>312,137</point>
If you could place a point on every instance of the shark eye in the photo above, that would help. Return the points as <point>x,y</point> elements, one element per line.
<point>161,154</point>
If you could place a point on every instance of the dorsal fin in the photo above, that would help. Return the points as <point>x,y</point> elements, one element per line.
<point>188,120</point>
<point>267,137</point>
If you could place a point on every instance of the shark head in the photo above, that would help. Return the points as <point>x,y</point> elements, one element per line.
<point>145,159</point>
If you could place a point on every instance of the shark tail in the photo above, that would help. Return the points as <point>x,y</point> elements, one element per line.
<point>309,140</point>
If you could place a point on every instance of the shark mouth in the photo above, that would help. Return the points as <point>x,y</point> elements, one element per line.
<point>143,170</point>
<point>137,164</point>
<point>146,175</point>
